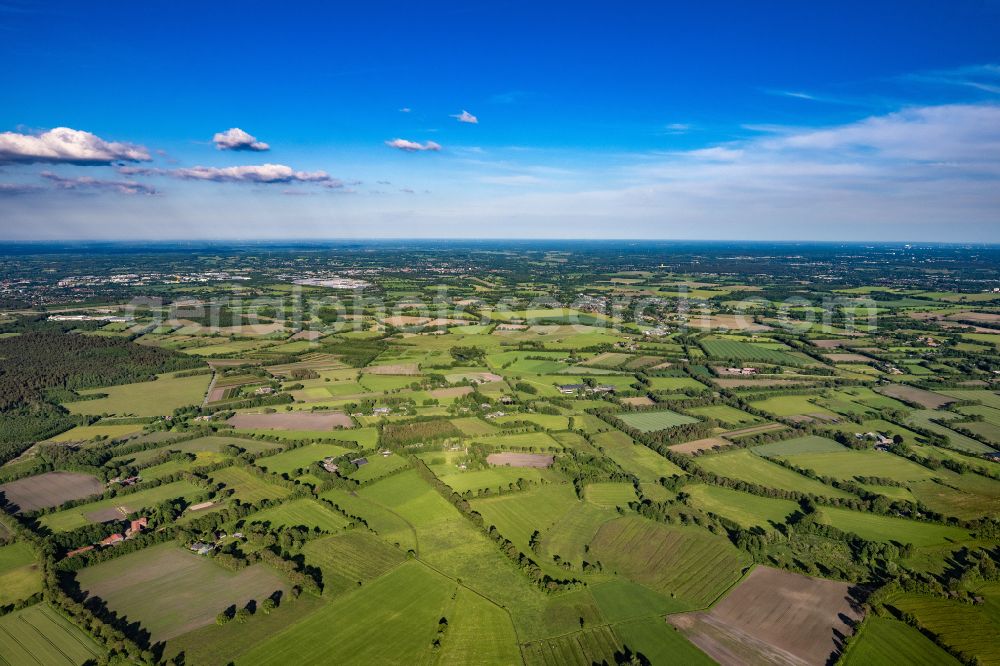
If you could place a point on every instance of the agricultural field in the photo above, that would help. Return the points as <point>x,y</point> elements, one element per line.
<point>883,641</point>
<point>170,591</point>
<point>657,420</point>
<point>41,635</point>
<point>745,466</point>
<point>412,599</point>
<point>20,576</point>
<point>158,398</point>
<point>248,486</point>
<point>742,508</point>
<point>683,563</point>
<point>49,489</point>
<point>773,616</point>
<point>728,416</point>
<point>302,457</point>
<point>499,519</point>
<point>970,630</point>
<point>116,508</point>
<point>304,512</point>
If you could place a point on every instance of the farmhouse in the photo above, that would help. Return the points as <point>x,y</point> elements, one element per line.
<point>359,461</point>
<point>201,547</point>
<point>570,388</point>
<point>329,465</point>
<point>112,540</point>
<point>381,411</point>
<point>135,527</point>
<point>264,390</point>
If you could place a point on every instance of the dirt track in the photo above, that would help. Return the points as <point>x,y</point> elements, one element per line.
<point>293,421</point>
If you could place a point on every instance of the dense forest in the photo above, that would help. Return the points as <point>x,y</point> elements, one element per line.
<point>36,363</point>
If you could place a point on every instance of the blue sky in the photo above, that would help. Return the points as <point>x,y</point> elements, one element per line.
<point>782,120</point>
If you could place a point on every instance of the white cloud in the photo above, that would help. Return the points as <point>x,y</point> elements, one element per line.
<point>261,173</point>
<point>405,109</point>
<point>413,146</point>
<point>466,117</point>
<point>62,145</point>
<point>88,183</point>
<point>236,139</point>
<point>677,128</point>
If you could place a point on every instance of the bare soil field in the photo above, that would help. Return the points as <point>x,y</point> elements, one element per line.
<point>453,392</point>
<point>641,401</point>
<point>50,489</point>
<point>706,444</point>
<point>169,591</point>
<point>520,459</point>
<point>729,322</point>
<point>405,320</point>
<point>925,399</point>
<point>293,421</point>
<point>829,344</point>
<point>306,335</point>
<point>981,317</point>
<point>774,617</point>
<point>396,369</point>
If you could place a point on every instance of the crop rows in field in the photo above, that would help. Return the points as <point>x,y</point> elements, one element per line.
<point>745,351</point>
<point>658,420</point>
<point>591,646</point>
<point>40,635</point>
<point>693,566</point>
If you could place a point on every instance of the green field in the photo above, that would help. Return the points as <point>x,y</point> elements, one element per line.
<point>675,384</point>
<point>885,528</point>
<point>746,466</point>
<point>171,591</point>
<point>746,351</point>
<point>366,438</point>
<point>609,495</point>
<point>41,635</point>
<point>660,643</point>
<point>658,420</point>
<point>391,620</point>
<point>685,563</point>
<point>301,512</point>
<point>351,559</point>
<point>726,415</point>
<point>590,646</point>
<point>790,405</point>
<point>742,508</point>
<point>798,445</point>
<point>20,575</point>
<point>379,466</point>
<point>248,487</point>
<point>884,641</point>
<point>518,515</point>
<point>848,463</point>
<point>84,433</point>
<point>300,458</point>
<point>640,460</point>
<point>157,398</point>
<point>972,630</point>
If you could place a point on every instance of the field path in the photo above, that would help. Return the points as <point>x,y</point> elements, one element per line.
<point>416,537</point>
<point>211,387</point>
